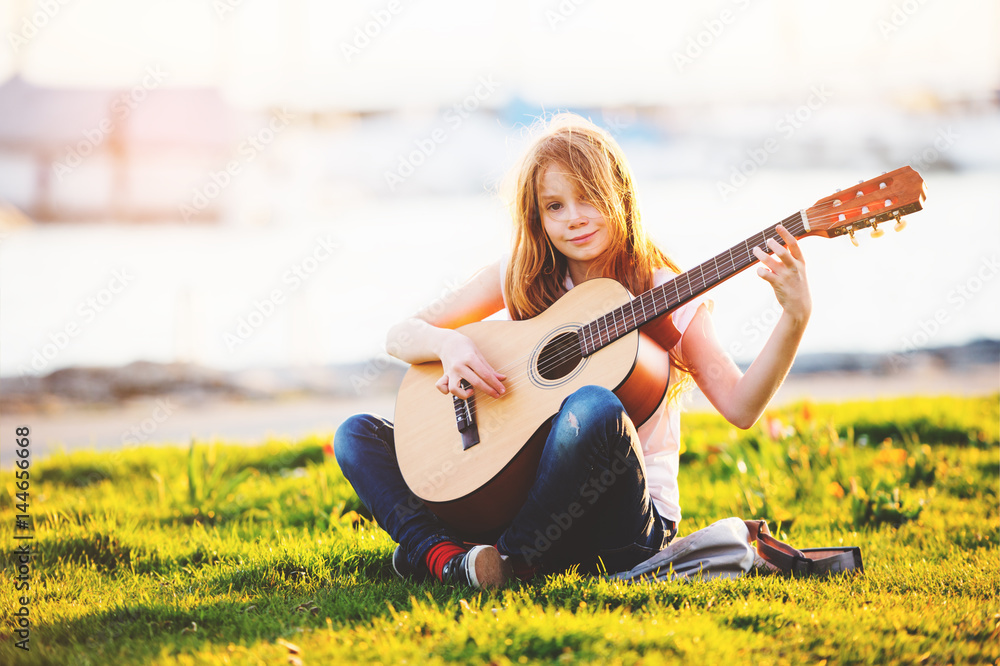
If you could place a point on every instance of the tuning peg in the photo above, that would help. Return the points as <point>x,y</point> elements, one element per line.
<point>876,232</point>
<point>859,194</point>
<point>853,239</point>
<point>860,181</point>
<point>881,186</point>
<point>900,224</point>
<point>888,202</point>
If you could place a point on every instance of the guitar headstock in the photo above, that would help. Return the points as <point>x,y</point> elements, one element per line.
<point>867,204</point>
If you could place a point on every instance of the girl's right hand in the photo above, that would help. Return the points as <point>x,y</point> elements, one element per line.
<point>462,360</point>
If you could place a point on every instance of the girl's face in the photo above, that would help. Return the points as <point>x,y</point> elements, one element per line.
<point>575,227</point>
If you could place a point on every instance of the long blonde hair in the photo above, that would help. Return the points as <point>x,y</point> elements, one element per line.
<point>596,165</point>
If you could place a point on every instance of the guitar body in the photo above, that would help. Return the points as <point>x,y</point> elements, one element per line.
<point>479,489</point>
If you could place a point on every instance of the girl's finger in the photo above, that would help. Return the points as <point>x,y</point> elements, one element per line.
<point>790,242</point>
<point>458,390</point>
<point>766,274</point>
<point>490,377</point>
<point>782,253</point>
<point>765,258</point>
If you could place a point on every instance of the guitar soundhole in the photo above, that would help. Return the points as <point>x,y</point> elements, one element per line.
<point>559,356</point>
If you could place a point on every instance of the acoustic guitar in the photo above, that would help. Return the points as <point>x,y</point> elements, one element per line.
<point>473,461</point>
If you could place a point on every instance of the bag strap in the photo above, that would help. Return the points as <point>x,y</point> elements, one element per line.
<point>780,556</point>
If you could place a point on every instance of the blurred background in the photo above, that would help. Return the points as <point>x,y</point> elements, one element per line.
<point>212,211</point>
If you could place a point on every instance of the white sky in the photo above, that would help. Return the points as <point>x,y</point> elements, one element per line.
<point>560,52</point>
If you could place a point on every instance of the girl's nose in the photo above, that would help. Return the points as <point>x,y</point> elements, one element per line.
<point>577,215</point>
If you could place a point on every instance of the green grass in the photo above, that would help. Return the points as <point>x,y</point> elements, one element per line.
<point>220,553</point>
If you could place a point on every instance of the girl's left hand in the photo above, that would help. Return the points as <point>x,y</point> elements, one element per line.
<point>785,269</point>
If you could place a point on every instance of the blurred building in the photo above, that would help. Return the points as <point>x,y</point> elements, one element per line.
<point>95,154</point>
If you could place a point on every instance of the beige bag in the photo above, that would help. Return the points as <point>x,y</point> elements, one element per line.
<point>724,550</point>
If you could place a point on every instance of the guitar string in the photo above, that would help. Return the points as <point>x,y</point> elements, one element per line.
<point>708,275</point>
<point>520,376</point>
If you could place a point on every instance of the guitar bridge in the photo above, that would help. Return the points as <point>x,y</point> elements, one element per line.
<point>465,418</point>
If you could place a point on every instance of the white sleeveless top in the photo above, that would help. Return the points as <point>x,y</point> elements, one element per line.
<point>660,435</point>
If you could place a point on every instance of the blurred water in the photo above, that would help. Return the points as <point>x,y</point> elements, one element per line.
<point>114,293</point>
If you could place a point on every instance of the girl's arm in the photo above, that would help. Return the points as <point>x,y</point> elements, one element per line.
<point>741,398</point>
<point>429,335</point>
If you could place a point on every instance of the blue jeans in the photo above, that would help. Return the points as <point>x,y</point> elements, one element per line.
<point>589,505</point>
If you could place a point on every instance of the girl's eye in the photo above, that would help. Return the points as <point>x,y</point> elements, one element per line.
<point>554,206</point>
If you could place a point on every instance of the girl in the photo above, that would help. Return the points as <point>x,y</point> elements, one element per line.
<point>609,488</point>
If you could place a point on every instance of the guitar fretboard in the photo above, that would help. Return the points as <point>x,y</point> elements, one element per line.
<point>678,291</point>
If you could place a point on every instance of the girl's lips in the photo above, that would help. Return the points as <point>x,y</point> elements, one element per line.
<point>582,239</point>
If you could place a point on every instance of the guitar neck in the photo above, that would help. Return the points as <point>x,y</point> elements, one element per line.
<point>686,286</point>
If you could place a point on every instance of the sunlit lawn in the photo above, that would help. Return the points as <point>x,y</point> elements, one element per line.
<point>216,552</point>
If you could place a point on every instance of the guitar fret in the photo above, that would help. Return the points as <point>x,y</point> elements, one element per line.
<point>663,298</point>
